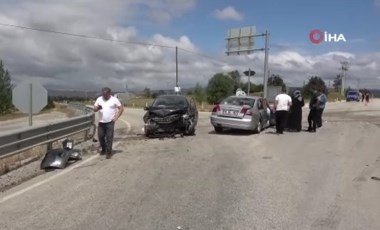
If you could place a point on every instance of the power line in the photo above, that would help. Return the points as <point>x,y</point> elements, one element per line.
<point>111,40</point>
<point>85,36</point>
<point>203,55</point>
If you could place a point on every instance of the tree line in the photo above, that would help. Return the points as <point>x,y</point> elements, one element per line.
<point>222,85</point>
<point>6,87</point>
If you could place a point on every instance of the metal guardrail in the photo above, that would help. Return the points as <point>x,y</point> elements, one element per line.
<point>19,141</point>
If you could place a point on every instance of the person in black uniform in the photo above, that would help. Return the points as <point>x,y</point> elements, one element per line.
<point>295,116</point>
<point>313,114</point>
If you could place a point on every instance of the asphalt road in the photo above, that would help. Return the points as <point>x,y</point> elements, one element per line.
<point>229,181</point>
<point>37,120</point>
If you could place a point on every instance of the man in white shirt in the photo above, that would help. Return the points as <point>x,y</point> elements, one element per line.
<point>282,105</point>
<point>109,110</point>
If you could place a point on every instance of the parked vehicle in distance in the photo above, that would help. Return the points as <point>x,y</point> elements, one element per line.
<point>243,113</point>
<point>169,115</point>
<point>353,95</point>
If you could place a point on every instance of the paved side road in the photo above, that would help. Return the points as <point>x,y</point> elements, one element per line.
<point>216,181</point>
<point>38,120</point>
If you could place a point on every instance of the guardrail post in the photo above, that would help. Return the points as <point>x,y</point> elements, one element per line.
<point>85,135</point>
<point>49,146</point>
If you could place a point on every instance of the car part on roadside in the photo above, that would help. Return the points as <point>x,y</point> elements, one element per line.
<point>68,144</point>
<point>241,112</point>
<point>170,115</point>
<point>59,158</point>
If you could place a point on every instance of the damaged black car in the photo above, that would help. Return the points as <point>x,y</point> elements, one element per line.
<point>170,115</point>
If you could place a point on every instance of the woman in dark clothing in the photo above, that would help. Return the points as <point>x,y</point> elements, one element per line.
<point>366,98</point>
<point>295,116</point>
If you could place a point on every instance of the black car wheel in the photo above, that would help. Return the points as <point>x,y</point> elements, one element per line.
<point>259,127</point>
<point>191,132</point>
<point>218,129</point>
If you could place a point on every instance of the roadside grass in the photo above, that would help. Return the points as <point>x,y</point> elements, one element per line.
<point>58,108</point>
<point>138,102</point>
<point>335,96</point>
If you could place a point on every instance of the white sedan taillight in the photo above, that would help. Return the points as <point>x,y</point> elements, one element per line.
<point>246,111</point>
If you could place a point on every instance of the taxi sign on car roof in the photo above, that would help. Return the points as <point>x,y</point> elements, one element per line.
<point>240,92</point>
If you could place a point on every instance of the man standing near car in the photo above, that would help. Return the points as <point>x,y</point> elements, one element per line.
<point>282,105</point>
<point>322,100</point>
<point>109,109</point>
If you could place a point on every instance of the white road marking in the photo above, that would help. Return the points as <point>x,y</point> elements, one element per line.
<point>22,191</point>
<point>129,127</point>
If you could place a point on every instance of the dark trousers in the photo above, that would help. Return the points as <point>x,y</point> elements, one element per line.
<point>319,117</point>
<point>313,119</point>
<point>281,120</point>
<point>105,135</point>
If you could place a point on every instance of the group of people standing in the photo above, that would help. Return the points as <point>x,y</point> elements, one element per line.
<point>288,111</point>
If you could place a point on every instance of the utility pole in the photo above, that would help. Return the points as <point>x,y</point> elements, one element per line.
<point>343,77</point>
<point>266,73</point>
<point>249,73</point>
<point>249,82</point>
<point>176,68</point>
<point>358,85</point>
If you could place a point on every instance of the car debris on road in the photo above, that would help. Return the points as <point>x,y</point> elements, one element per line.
<point>59,158</point>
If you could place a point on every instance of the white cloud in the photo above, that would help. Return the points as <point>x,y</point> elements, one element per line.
<point>163,11</point>
<point>377,3</point>
<point>66,62</point>
<point>228,13</point>
<point>296,68</point>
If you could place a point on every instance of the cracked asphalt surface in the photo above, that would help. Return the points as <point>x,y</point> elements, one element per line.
<point>234,180</point>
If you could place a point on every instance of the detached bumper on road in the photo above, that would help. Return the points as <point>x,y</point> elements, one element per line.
<point>232,123</point>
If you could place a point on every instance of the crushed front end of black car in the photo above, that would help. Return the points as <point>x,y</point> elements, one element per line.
<point>170,115</point>
<point>168,122</point>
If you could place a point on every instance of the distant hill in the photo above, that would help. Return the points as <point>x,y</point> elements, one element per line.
<point>375,92</point>
<point>72,93</point>
<point>94,94</point>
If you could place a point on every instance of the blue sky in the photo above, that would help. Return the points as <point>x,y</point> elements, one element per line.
<point>198,25</point>
<point>288,21</point>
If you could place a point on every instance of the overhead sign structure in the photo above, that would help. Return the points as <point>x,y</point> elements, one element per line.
<point>241,41</point>
<point>30,98</point>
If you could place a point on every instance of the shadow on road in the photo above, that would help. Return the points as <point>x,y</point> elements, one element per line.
<point>272,132</point>
<point>232,132</point>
